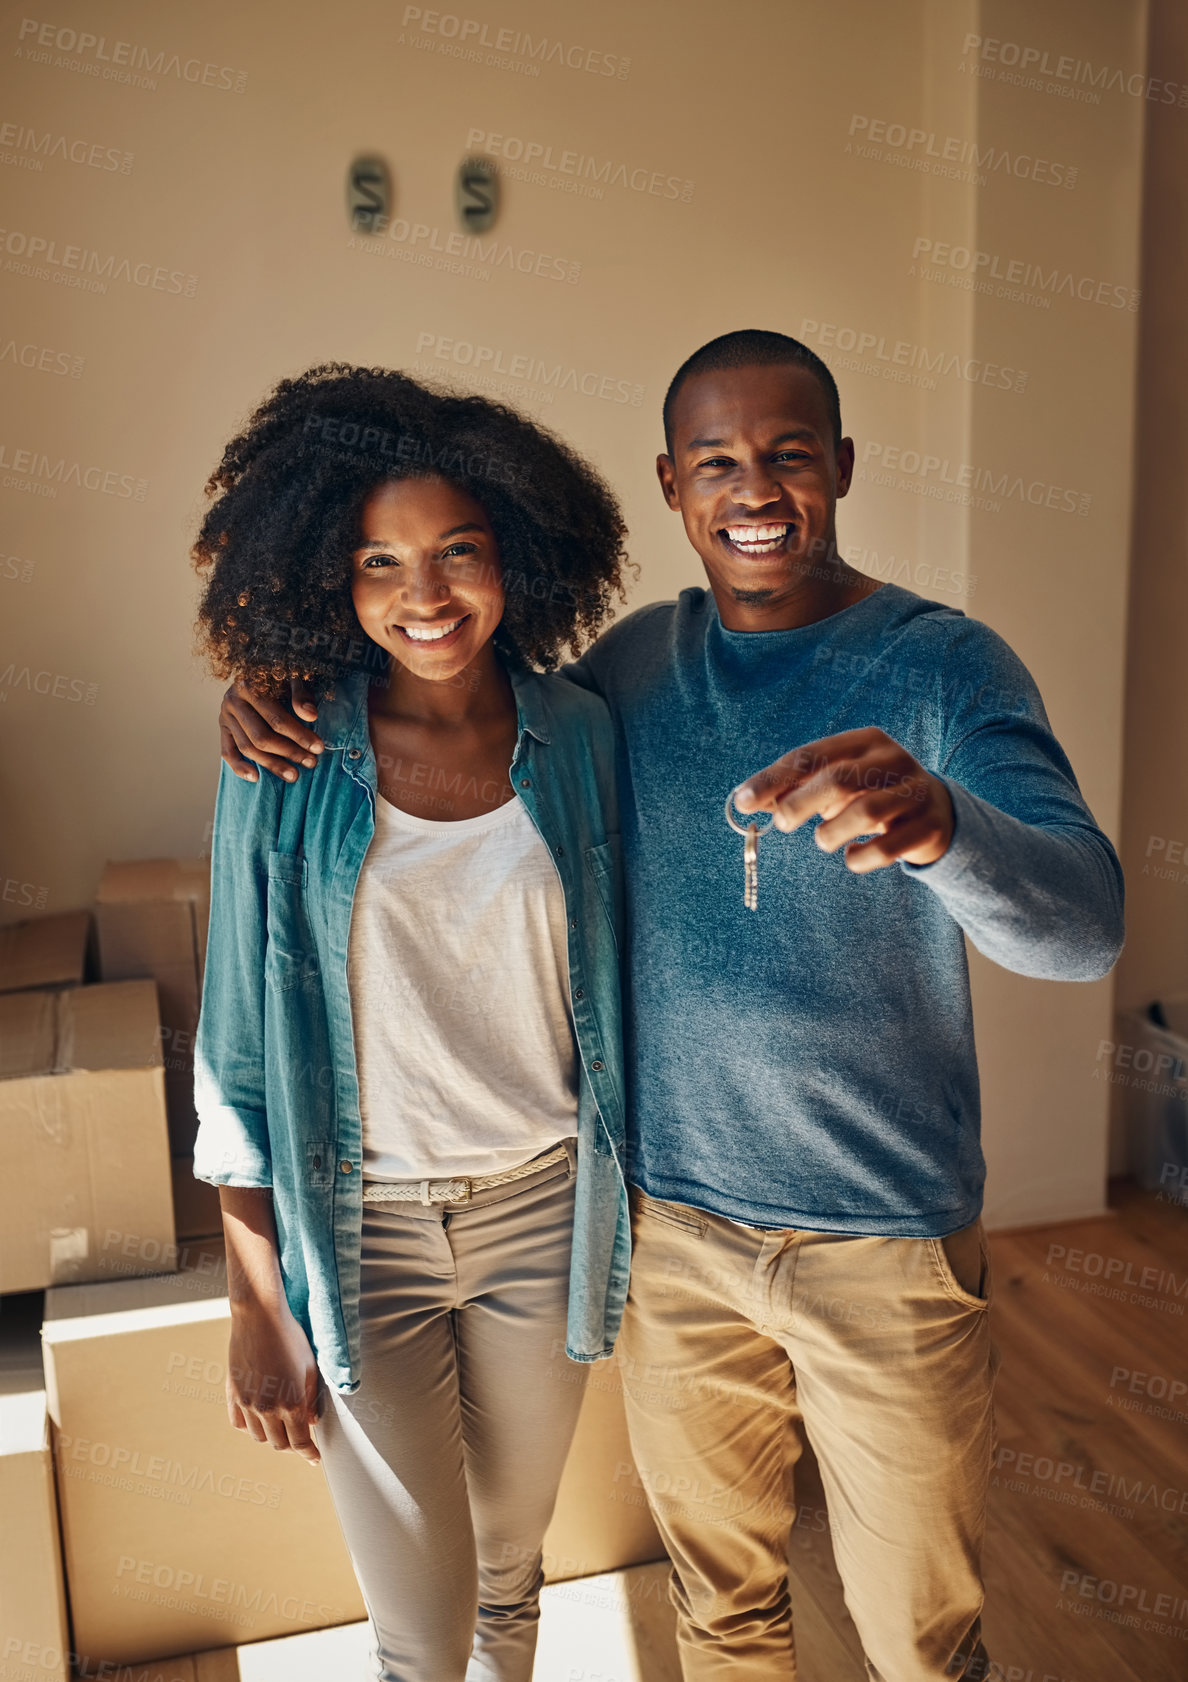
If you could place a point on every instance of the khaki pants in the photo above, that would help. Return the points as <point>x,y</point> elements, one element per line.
<point>737,1343</point>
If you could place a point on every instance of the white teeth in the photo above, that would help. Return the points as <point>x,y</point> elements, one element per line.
<point>435,635</point>
<point>758,540</point>
<point>758,533</point>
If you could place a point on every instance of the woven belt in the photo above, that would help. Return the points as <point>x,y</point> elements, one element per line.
<point>459,1190</point>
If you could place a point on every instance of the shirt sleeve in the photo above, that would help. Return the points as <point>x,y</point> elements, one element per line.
<point>232,1146</point>
<point>614,656</point>
<point>1028,874</point>
<point>582,672</point>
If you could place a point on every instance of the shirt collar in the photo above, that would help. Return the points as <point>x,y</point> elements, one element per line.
<point>531,704</point>
<point>342,722</point>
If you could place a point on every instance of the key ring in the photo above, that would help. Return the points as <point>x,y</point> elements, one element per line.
<point>744,829</point>
<point>752,835</point>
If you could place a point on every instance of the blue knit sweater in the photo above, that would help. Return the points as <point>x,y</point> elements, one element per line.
<point>812,1064</point>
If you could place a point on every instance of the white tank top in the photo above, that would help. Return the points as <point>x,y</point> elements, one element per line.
<point>459,985</point>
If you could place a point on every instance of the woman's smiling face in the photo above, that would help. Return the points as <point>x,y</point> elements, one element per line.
<point>426,579</point>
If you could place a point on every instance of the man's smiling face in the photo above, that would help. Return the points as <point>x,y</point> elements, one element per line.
<point>756,475</point>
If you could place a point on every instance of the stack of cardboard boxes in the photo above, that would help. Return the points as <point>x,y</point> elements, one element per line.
<point>84,1155</point>
<point>182,1534</point>
<point>179,1535</point>
<point>152,916</point>
<point>179,1532</point>
<point>34,1642</point>
<point>85,1194</point>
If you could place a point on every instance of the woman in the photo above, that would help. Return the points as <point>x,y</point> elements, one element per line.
<point>409,1078</point>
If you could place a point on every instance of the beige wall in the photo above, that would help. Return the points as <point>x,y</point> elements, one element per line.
<point>787,224</point>
<point>1155,809</point>
<point>1054,583</point>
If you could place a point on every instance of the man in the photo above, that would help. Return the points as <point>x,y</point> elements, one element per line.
<point>803,1139</point>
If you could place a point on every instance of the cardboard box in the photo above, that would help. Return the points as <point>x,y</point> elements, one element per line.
<point>152,916</point>
<point>84,1159</point>
<point>154,910</point>
<point>34,1641</point>
<point>220,1664</point>
<point>181,1533</point>
<point>196,1209</point>
<point>54,951</point>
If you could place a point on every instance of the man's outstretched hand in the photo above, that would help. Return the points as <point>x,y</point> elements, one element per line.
<point>861,782</point>
<point>254,728</point>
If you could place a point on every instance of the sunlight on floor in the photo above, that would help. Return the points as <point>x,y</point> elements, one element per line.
<point>613,1628</point>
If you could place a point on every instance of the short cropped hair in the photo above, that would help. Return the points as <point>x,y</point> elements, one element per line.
<point>753,347</point>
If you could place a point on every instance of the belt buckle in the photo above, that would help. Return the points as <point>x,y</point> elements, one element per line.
<point>435,1191</point>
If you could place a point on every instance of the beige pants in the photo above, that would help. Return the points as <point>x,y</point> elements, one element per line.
<point>737,1343</point>
<point>444,1464</point>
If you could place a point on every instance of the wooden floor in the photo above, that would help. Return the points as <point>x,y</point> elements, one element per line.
<point>1085,1529</point>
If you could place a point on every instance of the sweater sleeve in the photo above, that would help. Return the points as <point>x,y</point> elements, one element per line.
<point>614,656</point>
<point>1028,874</point>
<point>581,672</point>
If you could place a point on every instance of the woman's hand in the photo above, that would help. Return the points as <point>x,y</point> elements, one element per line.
<point>272,1378</point>
<point>254,728</point>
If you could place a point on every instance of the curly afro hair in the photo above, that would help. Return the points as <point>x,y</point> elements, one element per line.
<point>288,497</point>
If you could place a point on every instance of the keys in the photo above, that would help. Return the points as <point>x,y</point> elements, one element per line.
<point>751,834</point>
<point>751,869</point>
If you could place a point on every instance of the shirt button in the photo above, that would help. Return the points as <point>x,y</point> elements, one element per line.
<point>596,1064</point>
<point>345,1166</point>
<point>525,782</point>
<point>580,994</point>
<point>355,753</point>
<point>573,922</point>
<point>317,1162</point>
<point>560,852</point>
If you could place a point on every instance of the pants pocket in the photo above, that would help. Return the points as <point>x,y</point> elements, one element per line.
<point>962,1264</point>
<point>671,1214</point>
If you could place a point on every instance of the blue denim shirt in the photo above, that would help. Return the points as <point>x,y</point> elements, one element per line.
<point>276,1087</point>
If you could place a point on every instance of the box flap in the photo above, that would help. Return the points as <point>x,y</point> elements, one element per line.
<point>127,880</point>
<point>45,951</point>
<point>28,1034</point>
<point>119,1322</point>
<point>100,1309</point>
